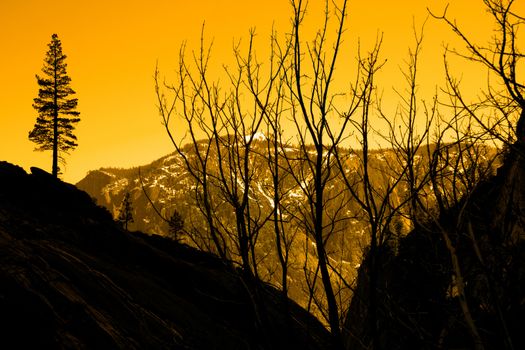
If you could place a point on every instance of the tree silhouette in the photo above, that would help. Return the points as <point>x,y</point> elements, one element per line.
<point>176,225</point>
<point>57,113</point>
<point>125,215</point>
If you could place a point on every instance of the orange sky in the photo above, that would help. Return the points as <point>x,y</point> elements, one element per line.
<point>112,48</point>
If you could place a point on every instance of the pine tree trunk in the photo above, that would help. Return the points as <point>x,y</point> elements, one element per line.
<point>55,145</point>
<point>55,127</point>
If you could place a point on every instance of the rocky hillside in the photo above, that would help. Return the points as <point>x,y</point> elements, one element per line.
<point>71,278</point>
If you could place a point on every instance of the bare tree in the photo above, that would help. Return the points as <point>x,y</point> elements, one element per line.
<point>272,105</point>
<point>497,117</point>
<point>198,161</point>
<point>231,127</point>
<point>502,59</point>
<point>320,123</point>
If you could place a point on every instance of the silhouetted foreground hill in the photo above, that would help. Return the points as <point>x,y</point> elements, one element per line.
<point>70,278</point>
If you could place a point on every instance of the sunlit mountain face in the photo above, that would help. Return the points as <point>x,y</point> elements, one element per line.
<point>165,186</point>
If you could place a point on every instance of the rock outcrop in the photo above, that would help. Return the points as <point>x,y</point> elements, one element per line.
<point>420,304</point>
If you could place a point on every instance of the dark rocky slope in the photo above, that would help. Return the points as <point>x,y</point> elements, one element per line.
<point>419,301</point>
<point>71,278</point>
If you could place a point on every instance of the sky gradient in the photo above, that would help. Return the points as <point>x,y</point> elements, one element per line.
<point>113,46</point>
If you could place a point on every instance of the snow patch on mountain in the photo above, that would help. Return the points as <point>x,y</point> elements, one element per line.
<point>258,136</point>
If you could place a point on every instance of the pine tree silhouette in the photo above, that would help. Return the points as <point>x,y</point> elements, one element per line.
<point>125,215</point>
<point>57,113</point>
<point>176,225</point>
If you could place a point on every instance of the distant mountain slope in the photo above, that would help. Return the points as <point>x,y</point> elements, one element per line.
<point>70,278</point>
<point>170,187</point>
<point>165,181</point>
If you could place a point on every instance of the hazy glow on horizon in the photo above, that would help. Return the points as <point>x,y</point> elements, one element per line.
<point>113,47</point>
